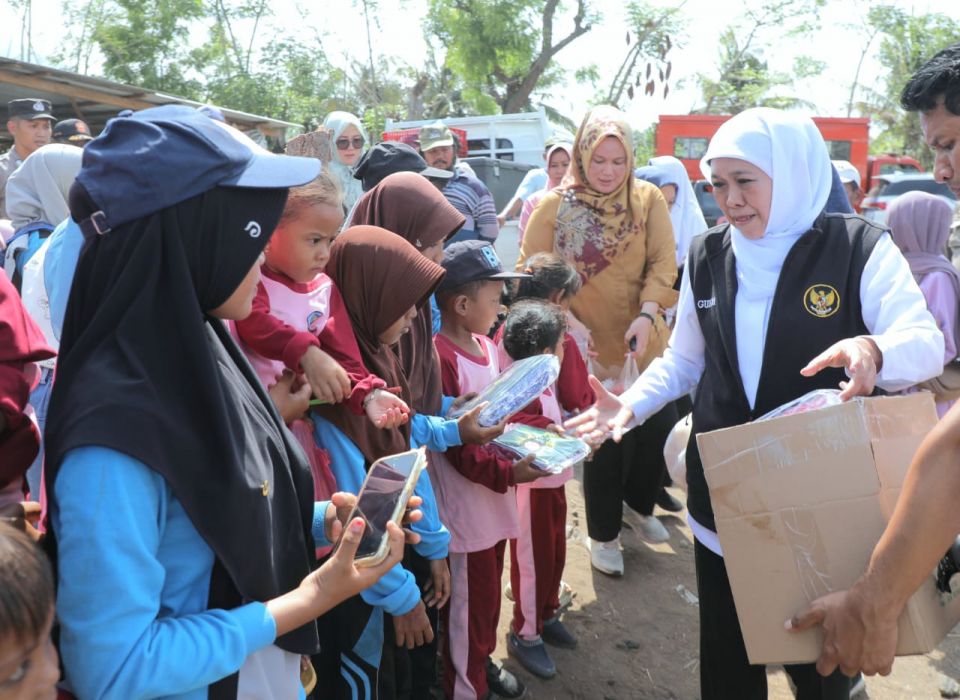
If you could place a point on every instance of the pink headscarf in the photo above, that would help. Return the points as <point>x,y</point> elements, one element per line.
<point>920,225</point>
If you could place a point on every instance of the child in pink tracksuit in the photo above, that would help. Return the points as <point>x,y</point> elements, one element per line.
<point>474,487</point>
<point>538,553</point>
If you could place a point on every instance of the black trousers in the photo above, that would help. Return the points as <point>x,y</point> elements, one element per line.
<point>414,670</point>
<point>632,471</point>
<point>725,671</point>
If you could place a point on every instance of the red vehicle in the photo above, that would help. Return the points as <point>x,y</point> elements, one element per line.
<point>686,137</point>
<point>888,164</point>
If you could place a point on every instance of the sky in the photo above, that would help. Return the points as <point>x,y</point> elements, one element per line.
<point>340,23</point>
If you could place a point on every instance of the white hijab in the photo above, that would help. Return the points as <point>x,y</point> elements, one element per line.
<point>38,189</point>
<point>789,148</point>
<point>351,187</point>
<point>686,217</point>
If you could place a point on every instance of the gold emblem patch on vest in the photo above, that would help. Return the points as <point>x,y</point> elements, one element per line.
<point>821,300</point>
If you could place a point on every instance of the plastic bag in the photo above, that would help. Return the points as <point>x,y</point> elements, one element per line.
<point>554,453</point>
<point>675,451</point>
<point>628,375</point>
<point>522,382</point>
<point>811,401</point>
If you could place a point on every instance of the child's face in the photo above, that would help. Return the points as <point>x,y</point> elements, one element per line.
<point>401,326</point>
<point>558,350</point>
<point>300,249</point>
<point>478,314</point>
<point>433,253</point>
<point>29,672</point>
<point>239,305</point>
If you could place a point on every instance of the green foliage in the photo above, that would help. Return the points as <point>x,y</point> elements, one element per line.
<point>745,79</point>
<point>653,32</point>
<point>644,145</point>
<point>501,49</point>
<point>906,42</point>
<point>143,44</point>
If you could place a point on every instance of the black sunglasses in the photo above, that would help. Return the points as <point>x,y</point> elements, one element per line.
<point>344,144</point>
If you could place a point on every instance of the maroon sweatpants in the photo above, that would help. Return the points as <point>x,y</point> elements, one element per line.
<point>537,558</point>
<point>470,620</point>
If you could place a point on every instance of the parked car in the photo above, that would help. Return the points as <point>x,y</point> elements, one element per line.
<point>708,205</point>
<point>888,187</point>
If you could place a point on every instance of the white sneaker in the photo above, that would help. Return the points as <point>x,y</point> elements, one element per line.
<point>648,527</point>
<point>857,686</point>
<point>606,557</point>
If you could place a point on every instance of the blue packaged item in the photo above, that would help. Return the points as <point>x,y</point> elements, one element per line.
<point>554,453</point>
<point>520,384</point>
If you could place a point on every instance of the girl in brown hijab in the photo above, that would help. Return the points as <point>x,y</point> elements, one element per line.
<point>385,283</point>
<point>411,207</point>
<point>408,205</point>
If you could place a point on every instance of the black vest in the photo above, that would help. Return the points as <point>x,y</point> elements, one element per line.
<point>816,304</point>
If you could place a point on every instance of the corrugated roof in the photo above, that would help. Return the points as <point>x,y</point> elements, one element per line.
<point>95,100</point>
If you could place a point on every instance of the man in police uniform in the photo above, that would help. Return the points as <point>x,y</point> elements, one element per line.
<point>30,122</point>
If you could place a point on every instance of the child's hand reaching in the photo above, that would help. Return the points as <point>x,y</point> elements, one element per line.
<point>326,377</point>
<point>386,410</point>
<point>524,472</point>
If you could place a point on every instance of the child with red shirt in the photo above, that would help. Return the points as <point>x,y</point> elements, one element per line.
<point>538,553</point>
<point>299,320</point>
<point>474,487</point>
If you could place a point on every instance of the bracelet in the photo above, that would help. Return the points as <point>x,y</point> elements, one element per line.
<point>368,398</point>
<point>644,314</point>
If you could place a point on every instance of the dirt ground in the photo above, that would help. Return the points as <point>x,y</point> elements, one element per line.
<point>638,634</point>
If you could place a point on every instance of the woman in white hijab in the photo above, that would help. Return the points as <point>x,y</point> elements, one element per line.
<point>349,143</point>
<point>685,214</point>
<point>783,300</point>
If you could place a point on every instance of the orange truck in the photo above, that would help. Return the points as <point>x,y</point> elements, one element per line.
<point>686,137</point>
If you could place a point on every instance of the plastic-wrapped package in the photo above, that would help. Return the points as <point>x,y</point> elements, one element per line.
<point>554,453</point>
<point>628,375</point>
<point>521,383</point>
<point>811,401</point>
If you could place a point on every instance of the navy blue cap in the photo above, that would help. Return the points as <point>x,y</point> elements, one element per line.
<point>30,108</point>
<point>472,261</point>
<point>152,159</point>
<point>392,157</point>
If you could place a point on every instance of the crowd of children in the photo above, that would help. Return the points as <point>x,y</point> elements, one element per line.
<point>337,322</point>
<point>218,297</point>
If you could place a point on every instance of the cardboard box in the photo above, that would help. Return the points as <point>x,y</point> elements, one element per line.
<point>800,502</point>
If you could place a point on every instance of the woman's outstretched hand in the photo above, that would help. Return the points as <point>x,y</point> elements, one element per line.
<point>860,357</point>
<point>609,415</point>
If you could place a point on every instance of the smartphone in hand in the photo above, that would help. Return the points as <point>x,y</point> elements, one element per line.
<point>382,498</point>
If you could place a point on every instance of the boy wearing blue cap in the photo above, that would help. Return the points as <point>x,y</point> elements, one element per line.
<point>474,486</point>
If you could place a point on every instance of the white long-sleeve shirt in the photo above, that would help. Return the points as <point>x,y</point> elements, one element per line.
<point>894,312</point>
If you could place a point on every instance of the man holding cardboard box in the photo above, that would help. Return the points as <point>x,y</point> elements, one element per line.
<point>860,625</point>
<point>782,300</point>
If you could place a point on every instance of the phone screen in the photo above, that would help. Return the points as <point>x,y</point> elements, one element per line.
<point>379,497</point>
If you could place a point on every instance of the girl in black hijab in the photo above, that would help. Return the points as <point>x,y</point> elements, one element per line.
<point>181,509</point>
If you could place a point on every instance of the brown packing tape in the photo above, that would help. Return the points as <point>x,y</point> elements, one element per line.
<point>809,552</point>
<point>753,468</point>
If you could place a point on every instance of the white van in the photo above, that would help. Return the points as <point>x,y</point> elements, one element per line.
<point>517,137</point>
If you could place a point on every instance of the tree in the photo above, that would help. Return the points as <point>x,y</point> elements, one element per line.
<point>503,49</point>
<point>907,41</point>
<point>144,43</point>
<point>745,80</point>
<point>655,31</point>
